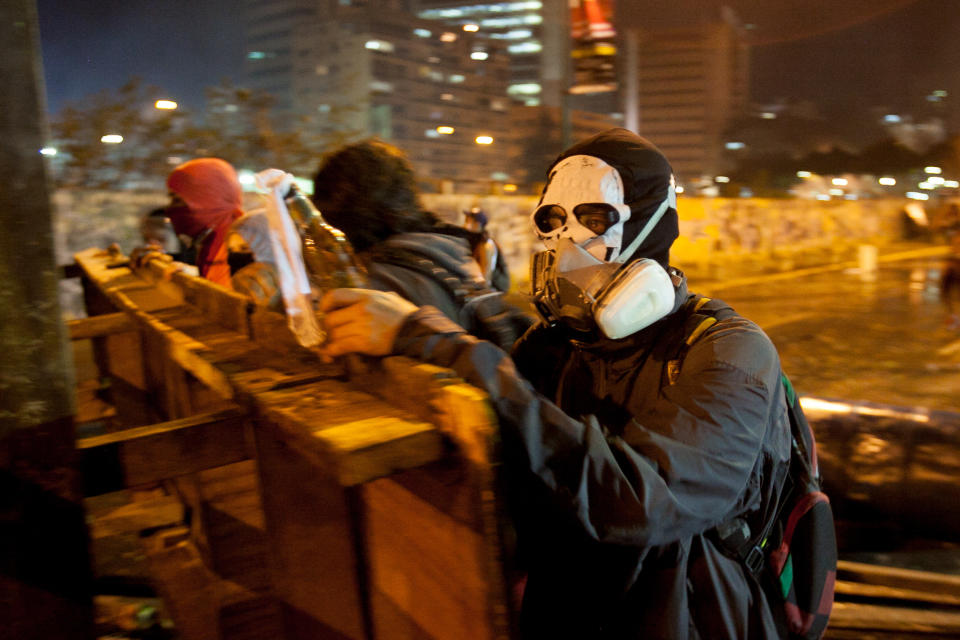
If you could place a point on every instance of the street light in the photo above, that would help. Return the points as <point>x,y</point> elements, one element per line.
<point>111,138</point>
<point>166,105</point>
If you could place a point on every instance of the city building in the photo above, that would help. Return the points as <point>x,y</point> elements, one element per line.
<point>348,69</point>
<point>535,33</point>
<point>692,81</point>
<point>538,139</point>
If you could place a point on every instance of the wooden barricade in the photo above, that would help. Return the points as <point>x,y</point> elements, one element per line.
<point>345,500</point>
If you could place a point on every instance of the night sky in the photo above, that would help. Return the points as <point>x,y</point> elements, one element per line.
<point>840,54</point>
<point>181,46</point>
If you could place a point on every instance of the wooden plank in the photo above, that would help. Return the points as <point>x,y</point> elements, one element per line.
<point>356,436</point>
<point>429,576</point>
<point>137,516</point>
<point>179,347</point>
<point>147,431</point>
<point>269,329</point>
<point>99,326</point>
<point>178,447</point>
<point>203,605</point>
<point>312,527</point>
<point>222,306</point>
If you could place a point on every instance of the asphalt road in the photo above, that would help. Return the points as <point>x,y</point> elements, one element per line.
<point>878,337</point>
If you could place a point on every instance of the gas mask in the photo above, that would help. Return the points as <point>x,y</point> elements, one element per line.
<point>584,279</point>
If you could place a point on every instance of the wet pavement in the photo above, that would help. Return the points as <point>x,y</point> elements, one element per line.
<point>877,337</point>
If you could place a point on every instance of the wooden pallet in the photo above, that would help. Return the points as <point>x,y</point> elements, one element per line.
<point>323,500</point>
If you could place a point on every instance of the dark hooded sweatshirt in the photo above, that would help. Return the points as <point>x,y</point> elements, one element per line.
<point>452,254</point>
<point>619,476</point>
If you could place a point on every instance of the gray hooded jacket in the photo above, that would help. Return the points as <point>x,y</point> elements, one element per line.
<point>620,476</point>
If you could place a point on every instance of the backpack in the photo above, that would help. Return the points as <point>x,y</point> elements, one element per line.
<point>483,311</point>
<point>795,552</point>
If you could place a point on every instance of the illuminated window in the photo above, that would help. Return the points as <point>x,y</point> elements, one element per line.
<point>422,33</point>
<point>456,78</point>
<point>381,86</point>
<point>256,55</point>
<point>321,70</point>
<point>479,55</point>
<point>471,28</point>
<point>445,130</point>
<point>524,89</point>
<point>511,22</point>
<point>514,34</point>
<point>380,45</point>
<point>525,47</point>
<point>447,97</point>
<point>733,146</point>
<point>448,37</point>
<point>483,140</point>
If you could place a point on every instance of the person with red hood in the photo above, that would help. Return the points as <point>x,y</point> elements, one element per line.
<point>205,199</point>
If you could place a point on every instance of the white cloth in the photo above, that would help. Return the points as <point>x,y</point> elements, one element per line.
<point>286,248</point>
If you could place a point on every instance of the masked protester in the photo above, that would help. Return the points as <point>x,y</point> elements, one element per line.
<point>205,199</point>
<point>622,465</point>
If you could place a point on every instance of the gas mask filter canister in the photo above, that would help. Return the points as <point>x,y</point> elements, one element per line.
<point>572,286</point>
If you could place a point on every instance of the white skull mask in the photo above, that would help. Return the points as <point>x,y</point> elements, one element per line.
<point>583,202</point>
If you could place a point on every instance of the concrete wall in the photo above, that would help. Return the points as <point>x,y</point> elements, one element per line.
<point>713,232</point>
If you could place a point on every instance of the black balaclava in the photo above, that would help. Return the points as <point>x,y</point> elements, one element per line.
<point>647,179</point>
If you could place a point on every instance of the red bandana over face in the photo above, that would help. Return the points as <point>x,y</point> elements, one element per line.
<point>214,200</point>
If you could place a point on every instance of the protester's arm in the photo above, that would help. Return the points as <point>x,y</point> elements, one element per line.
<point>678,469</point>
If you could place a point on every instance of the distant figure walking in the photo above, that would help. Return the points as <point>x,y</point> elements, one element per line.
<point>950,279</point>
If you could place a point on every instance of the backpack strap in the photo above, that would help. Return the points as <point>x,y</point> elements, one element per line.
<point>702,313</point>
<point>734,535</point>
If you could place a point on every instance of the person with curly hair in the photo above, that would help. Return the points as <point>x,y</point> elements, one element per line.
<point>369,191</point>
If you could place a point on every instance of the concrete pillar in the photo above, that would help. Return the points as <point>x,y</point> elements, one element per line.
<point>44,565</point>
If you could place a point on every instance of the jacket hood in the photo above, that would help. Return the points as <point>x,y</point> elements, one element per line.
<point>647,180</point>
<point>450,252</point>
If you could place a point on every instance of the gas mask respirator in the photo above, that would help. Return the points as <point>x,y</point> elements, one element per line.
<point>584,279</point>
